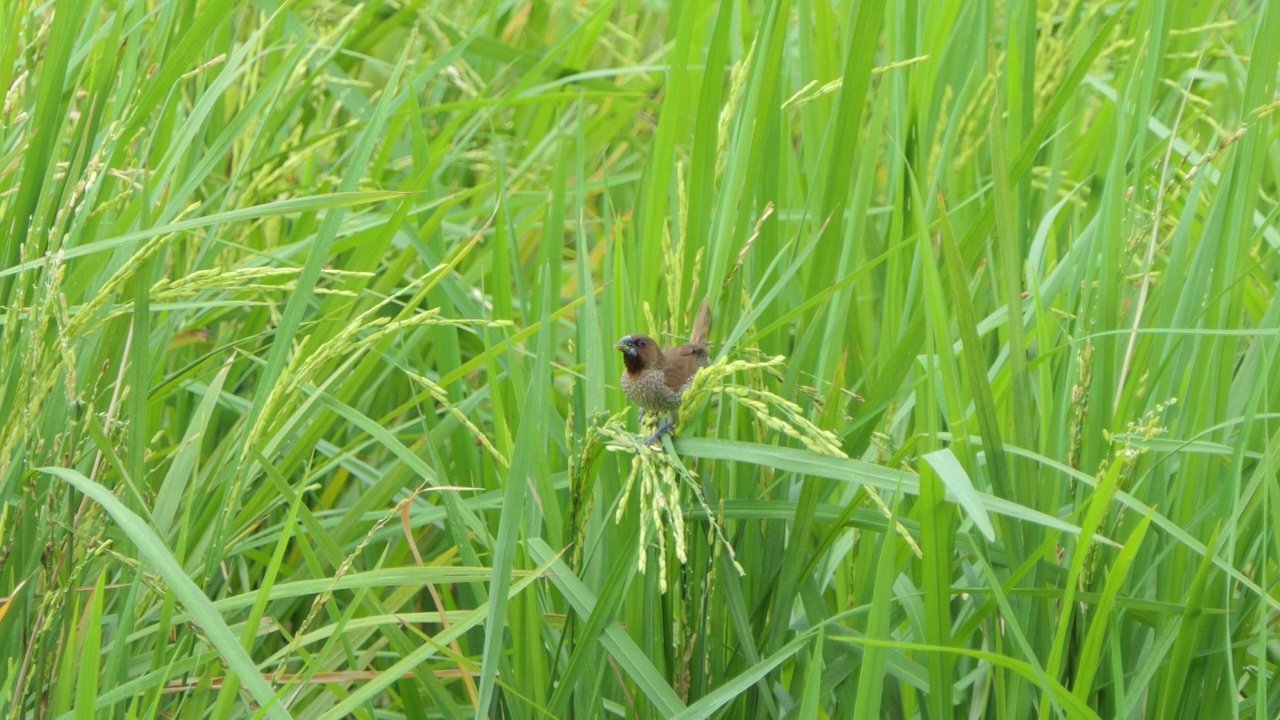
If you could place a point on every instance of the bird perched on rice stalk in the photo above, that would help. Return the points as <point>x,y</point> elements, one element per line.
<point>656,379</point>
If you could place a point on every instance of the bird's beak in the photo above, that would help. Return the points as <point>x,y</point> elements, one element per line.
<point>626,345</point>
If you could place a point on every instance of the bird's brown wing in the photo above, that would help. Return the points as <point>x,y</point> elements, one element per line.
<point>681,363</point>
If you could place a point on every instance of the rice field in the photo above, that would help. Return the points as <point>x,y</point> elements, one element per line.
<point>310,406</point>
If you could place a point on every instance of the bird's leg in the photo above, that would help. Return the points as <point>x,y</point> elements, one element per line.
<point>663,430</point>
<point>640,418</point>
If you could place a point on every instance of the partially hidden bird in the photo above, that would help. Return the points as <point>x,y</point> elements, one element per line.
<point>656,379</point>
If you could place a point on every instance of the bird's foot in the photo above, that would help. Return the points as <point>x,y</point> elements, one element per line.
<point>661,431</point>
<point>640,417</point>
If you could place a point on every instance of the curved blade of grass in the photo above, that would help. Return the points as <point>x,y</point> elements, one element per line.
<point>292,206</point>
<point>1159,519</point>
<point>1074,706</point>
<point>529,437</point>
<point>723,695</point>
<point>854,471</point>
<point>91,653</point>
<point>1091,652</point>
<point>951,472</point>
<point>620,645</point>
<point>157,554</point>
<point>392,674</point>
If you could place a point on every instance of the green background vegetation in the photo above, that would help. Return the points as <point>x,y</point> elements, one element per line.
<point>309,406</point>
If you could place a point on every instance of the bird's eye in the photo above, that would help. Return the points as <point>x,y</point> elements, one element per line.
<point>640,344</point>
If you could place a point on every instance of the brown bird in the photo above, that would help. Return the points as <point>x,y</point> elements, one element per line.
<point>656,380</point>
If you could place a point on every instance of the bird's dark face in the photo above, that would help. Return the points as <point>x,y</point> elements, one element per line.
<point>639,352</point>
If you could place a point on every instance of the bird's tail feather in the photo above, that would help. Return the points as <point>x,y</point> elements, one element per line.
<point>702,324</point>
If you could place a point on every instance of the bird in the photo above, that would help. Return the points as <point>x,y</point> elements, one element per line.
<point>656,379</point>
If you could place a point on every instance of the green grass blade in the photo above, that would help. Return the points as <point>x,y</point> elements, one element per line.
<point>158,555</point>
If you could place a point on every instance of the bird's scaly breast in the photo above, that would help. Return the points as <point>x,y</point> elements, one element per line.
<point>649,390</point>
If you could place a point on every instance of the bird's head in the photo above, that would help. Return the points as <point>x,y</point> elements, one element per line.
<point>640,352</point>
